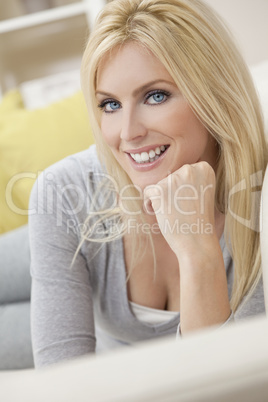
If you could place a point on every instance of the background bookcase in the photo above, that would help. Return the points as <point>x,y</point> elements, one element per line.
<point>39,38</point>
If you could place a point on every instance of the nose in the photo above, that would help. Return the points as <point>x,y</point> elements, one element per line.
<point>132,125</point>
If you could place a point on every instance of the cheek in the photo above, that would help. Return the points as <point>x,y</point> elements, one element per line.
<point>174,119</point>
<point>109,132</point>
<point>198,132</point>
<point>193,127</point>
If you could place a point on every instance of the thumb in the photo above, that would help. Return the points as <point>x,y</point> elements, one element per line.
<point>152,198</point>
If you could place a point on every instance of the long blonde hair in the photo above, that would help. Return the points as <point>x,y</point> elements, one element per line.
<point>199,53</point>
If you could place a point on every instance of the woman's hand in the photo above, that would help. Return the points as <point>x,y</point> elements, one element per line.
<point>183,204</point>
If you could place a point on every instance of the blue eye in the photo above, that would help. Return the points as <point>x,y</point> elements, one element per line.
<point>109,106</point>
<point>112,105</point>
<point>157,97</point>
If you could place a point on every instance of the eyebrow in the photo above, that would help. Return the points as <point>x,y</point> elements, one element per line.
<point>139,89</point>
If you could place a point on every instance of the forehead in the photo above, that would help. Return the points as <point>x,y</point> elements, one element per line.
<point>131,61</point>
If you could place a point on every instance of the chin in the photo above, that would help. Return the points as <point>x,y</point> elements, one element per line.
<point>148,181</point>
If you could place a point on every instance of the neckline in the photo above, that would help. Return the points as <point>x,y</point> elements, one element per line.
<point>127,302</point>
<point>153,310</point>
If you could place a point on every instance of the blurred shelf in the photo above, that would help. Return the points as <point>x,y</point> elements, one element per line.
<point>42,17</point>
<point>90,8</point>
<point>44,42</point>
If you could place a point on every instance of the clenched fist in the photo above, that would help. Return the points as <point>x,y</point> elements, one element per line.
<point>183,204</point>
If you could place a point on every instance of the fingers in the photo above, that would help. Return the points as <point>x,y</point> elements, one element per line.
<point>184,185</point>
<point>152,198</point>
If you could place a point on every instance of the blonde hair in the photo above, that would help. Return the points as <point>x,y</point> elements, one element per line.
<point>197,50</point>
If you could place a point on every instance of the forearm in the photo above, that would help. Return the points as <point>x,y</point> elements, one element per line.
<point>203,284</point>
<point>203,287</point>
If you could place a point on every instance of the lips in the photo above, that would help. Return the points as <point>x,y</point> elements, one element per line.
<point>148,156</point>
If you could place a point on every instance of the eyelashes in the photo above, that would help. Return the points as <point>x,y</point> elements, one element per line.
<point>152,98</point>
<point>110,104</point>
<point>157,97</point>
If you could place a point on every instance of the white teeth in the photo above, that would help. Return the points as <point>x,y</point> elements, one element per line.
<point>144,156</point>
<point>150,156</point>
<point>138,158</point>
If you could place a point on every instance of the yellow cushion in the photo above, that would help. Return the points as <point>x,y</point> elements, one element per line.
<point>30,141</point>
<point>11,101</point>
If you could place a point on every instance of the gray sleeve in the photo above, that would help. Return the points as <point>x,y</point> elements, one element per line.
<point>253,305</point>
<point>62,321</point>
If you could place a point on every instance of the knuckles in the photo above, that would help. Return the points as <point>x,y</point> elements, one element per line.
<point>200,173</point>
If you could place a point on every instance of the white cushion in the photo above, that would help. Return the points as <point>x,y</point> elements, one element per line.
<point>260,77</point>
<point>229,365</point>
<point>264,236</point>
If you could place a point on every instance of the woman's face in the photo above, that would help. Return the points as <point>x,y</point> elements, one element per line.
<point>146,122</point>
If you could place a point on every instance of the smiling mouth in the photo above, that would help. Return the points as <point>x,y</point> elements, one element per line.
<point>150,156</point>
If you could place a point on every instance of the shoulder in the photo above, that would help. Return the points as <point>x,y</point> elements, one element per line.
<point>87,160</point>
<point>77,165</point>
<point>73,177</point>
<point>74,169</point>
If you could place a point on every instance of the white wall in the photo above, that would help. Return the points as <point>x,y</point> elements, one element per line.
<point>248,21</point>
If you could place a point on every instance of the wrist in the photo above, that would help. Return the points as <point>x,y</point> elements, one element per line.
<point>197,251</point>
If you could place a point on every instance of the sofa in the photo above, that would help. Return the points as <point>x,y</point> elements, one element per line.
<point>30,140</point>
<point>224,366</point>
<point>65,130</point>
<point>15,289</point>
<point>208,366</point>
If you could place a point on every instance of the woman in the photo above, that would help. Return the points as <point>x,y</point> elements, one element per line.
<point>160,229</point>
